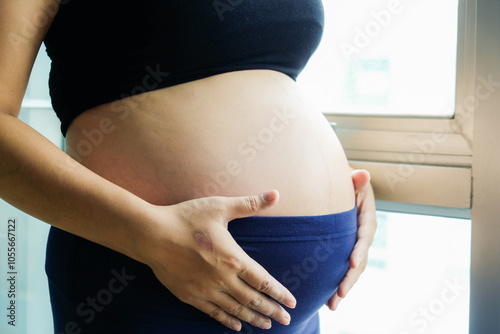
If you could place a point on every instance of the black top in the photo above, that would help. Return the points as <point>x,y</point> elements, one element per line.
<point>103,51</point>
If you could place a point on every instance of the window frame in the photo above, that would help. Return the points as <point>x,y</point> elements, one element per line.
<point>485,262</point>
<point>425,161</point>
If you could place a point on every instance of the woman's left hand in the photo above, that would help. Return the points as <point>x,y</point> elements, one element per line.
<point>367,224</point>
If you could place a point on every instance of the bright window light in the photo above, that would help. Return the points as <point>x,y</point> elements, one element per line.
<point>417,280</point>
<point>386,57</point>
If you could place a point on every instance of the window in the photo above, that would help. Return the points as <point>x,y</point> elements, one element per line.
<point>416,281</point>
<point>386,57</point>
<point>414,136</point>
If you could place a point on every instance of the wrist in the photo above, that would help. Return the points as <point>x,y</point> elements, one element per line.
<point>148,232</point>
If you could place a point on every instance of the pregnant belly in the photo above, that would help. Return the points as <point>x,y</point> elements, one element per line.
<point>238,133</point>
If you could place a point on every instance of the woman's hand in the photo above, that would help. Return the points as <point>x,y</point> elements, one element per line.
<point>197,259</point>
<point>367,224</point>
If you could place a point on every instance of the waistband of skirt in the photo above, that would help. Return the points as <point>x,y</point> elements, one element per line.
<point>294,228</point>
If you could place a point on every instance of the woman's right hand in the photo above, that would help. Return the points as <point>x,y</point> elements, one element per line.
<point>196,258</point>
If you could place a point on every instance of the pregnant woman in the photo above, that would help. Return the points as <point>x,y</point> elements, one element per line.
<point>175,111</point>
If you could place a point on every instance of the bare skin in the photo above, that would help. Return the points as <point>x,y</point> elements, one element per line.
<point>232,134</point>
<point>141,185</point>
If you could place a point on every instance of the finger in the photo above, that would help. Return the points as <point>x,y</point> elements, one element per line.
<point>241,311</point>
<point>258,278</point>
<point>350,279</point>
<point>219,314</point>
<point>334,302</point>
<point>239,207</point>
<point>367,225</point>
<point>257,301</point>
<point>360,178</point>
<point>362,246</point>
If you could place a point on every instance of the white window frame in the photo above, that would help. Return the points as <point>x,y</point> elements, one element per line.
<point>425,161</point>
<point>485,259</point>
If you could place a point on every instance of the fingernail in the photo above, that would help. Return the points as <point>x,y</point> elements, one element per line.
<point>236,326</point>
<point>266,325</point>
<point>291,303</point>
<point>285,320</point>
<point>336,304</point>
<point>358,261</point>
<point>268,196</point>
<point>354,262</point>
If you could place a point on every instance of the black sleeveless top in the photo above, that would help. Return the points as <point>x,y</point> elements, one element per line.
<point>103,51</point>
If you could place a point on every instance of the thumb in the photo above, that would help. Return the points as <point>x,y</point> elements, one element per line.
<point>246,206</point>
<point>360,178</point>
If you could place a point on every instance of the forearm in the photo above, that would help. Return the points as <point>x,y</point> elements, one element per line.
<point>41,180</point>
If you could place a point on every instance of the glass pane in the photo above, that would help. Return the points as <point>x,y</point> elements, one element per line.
<point>38,86</point>
<point>416,281</point>
<point>386,57</point>
<point>24,286</point>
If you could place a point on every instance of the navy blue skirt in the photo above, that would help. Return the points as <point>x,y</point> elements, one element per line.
<point>96,290</point>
